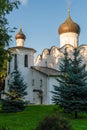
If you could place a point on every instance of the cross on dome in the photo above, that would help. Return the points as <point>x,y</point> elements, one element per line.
<point>69,25</point>
<point>20,34</point>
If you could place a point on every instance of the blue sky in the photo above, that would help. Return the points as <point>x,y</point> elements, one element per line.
<point>40,20</point>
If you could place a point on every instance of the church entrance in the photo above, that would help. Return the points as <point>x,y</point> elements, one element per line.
<point>40,95</point>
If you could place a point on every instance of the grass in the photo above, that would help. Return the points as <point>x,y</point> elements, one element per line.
<point>80,123</point>
<point>29,118</point>
<point>25,120</point>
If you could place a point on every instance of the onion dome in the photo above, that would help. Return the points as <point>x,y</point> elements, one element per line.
<point>20,35</point>
<point>69,26</point>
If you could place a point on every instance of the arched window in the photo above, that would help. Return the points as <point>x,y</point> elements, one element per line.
<point>40,82</point>
<point>15,61</point>
<point>46,63</point>
<point>26,61</point>
<point>33,82</point>
<point>8,67</point>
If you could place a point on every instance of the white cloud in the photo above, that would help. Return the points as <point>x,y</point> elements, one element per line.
<point>24,2</point>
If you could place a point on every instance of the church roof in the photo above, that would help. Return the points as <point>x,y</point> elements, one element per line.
<point>21,47</point>
<point>20,35</point>
<point>47,71</point>
<point>69,26</point>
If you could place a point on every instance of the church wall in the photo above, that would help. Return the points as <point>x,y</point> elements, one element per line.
<point>25,71</point>
<point>39,82</point>
<point>51,81</point>
<point>69,38</point>
<point>20,42</point>
<point>20,58</point>
<point>50,59</point>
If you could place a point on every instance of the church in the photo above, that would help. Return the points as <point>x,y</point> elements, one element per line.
<point>41,75</point>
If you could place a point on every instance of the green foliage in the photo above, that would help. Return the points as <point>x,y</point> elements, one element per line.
<point>3,72</point>
<point>6,6</point>
<point>12,105</point>
<point>54,122</point>
<point>15,95</point>
<point>71,92</point>
<point>0,105</point>
<point>17,86</point>
<point>5,128</point>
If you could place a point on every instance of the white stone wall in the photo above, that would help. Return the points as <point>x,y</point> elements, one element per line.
<point>21,52</point>
<point>69,38</point>
<point>53,58</point>
<point>25,71</point>
<point>37,77</point>
<point>20,42</point>
<point>49,58</point>
<point>51,81</point>
<point>47,87</point>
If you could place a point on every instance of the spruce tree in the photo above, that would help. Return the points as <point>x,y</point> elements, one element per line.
<point>17,86</point>
<point>16,94</point>
<point>71,92</point>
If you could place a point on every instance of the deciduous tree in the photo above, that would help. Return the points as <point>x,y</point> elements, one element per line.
<point>6,6</point>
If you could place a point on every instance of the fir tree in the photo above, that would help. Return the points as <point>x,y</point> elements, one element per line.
<point>17,86</point>
<point>16,94</point>
<point>71,92</point>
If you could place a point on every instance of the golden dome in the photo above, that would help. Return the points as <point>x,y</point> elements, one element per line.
<point>20,35</point>
<point>69,26</point>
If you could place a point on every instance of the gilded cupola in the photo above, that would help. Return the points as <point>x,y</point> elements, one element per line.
<point>20,38</point>
<point>69,32</point>
<point>20,35</point>
<point>69,26</point>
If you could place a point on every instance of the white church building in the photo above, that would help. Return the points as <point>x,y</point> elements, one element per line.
<point>41,75</point>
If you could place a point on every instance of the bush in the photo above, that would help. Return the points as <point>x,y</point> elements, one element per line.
<point>12,105</point>
<point>54,122</point>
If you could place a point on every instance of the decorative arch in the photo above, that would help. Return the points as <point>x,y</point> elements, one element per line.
<point>38,59</point>
<point>54,51</point>
<point>45,53</point>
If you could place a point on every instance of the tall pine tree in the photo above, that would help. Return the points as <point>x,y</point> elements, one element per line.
<point>71,92</point>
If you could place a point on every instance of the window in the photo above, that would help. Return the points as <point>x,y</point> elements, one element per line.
<point>15,61</point>
<point>46,63</point>
<point>8,67</point>
<point>26,60</point>
<point>33,82</point>
<point>40,82</point>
